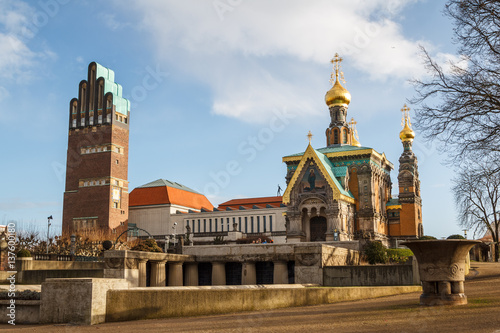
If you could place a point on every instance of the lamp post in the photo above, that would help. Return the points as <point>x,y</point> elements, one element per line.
<point>465,233</point>
<point>48,231</point>
<point>175,230</point>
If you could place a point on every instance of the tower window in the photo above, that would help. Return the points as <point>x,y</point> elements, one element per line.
<point>344,136</point>
<point>335,136</point>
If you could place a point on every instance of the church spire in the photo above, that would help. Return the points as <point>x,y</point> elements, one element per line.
<point>406,135</point>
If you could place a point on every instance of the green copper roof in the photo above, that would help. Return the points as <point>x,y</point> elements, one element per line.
<point>334,149</point>
<point>339,171</point>
<point>329,168</point>
<point>121,104</point>
<point>165,182</point>
<point>393,202</point>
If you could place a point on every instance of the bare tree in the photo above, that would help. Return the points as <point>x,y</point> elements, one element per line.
<point>460,105</point>
<point>477,194</point>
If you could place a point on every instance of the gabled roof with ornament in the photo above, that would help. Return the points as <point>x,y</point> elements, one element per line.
<point>328,171</point>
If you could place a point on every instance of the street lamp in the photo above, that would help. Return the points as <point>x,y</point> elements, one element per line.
<point>175,229</point>
<point>465,233</point>
<point>48,230</point>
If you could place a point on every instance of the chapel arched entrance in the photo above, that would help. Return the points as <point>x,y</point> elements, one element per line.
<point>317,228</point>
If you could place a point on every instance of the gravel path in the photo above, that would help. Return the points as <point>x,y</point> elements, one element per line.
<point>387,314</point>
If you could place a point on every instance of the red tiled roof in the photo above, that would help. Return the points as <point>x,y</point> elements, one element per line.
<point>248,203</point>
<point>145,196</point>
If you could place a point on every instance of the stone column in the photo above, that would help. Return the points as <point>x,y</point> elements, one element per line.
<point>158,273</point>
<point>218,274</point>
<point>280,274</point>
<point>175,274</point>
<point>191,273</point>
<point>248,273</point>
<point>141,263</point>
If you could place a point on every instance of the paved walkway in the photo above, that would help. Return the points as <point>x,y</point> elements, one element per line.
<point>388,314</point>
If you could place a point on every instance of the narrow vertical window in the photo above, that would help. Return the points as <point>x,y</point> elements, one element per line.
<point>251,224</point>
<point>246,225</point>
<point>239,224</point>
<point>264,222</point>
<point>258,223</point>
<point>270,223</point>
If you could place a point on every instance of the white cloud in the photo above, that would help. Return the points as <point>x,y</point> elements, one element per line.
<point>217,42</point>
<point>16,58</point>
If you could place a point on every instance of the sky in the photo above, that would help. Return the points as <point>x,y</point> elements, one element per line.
<point>208,80</point>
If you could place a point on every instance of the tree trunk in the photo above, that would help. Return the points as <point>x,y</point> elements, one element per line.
<point>496,254</point>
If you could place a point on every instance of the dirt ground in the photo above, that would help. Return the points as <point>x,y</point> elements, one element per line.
<point>387,314</point>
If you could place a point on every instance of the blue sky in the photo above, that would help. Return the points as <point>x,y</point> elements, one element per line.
<point>209,81</point>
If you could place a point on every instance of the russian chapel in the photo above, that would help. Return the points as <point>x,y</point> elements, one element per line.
<point>343,191</point>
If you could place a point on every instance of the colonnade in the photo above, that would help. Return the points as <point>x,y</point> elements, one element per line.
<point>176,276</point>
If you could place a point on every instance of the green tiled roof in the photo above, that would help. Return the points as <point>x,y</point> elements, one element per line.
<point>393,202</point>
<point>122,105</point>
<point>165,182</point>
<point>329,168</point>
<point>334,149</point>
<point>339,171</point>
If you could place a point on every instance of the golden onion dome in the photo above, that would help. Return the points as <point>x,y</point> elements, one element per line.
<point>407,133</point>
<point>337,95</point>
<point>355,142</point>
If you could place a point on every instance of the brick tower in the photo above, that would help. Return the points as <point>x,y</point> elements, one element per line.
<point>96,193</point>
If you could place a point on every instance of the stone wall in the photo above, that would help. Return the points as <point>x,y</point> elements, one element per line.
<point>77,301</point>
<point>156,303</point>
<point>373,275</point>
<point>26,312</point>
<point>40,276</point>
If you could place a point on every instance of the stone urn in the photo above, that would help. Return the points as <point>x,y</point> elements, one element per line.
<point>441,264</point>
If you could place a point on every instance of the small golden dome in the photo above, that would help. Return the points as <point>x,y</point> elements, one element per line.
<point>407,133</point>
<point>355,142</point>
<point>338,95</point>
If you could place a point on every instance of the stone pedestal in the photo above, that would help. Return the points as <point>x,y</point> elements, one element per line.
<point>218,274</point>
<point>280,275</point>
<point>191,273</point>
<point>158,273</point>
<point>141,263</point>
<point>76,301</point>
<point>442,269</point>
<point>248,273</point>
<point>309,263</point>
<point>175,274</point>
<point>24,264</point>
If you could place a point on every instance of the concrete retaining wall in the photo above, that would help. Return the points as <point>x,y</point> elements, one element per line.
<point>26,312</point>
<point>376,275</point>
<point>54,265</point>
<point>40,276</point>
<point>78,301</point>
<point>155,303</point>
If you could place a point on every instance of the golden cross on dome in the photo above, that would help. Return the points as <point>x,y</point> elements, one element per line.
<point>352,126</point>
<point>309,136</point>
<point>406,116</point>
<point>336,60</point>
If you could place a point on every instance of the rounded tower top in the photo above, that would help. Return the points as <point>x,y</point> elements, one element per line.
<point>406,134</point>
<point>337,95</point>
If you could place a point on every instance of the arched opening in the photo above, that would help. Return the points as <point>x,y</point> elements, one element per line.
<point>317,228</point>
<point>336,136</point>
